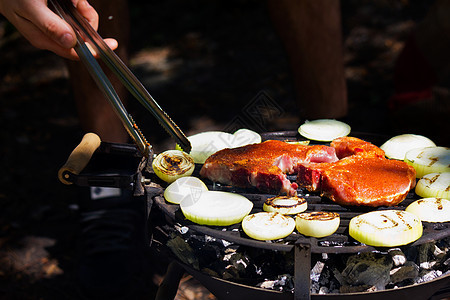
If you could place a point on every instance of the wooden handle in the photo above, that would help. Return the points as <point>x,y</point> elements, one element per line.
<point>79,157</point>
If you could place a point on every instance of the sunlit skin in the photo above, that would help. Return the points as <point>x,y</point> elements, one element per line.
<point>46,30</point>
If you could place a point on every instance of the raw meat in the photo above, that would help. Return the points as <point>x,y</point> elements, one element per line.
<point>362,175</point>
<point>347,146</point>
<point>359,180</point>
<point>264,165</point>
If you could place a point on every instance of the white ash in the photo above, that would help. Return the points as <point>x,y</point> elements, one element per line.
<point>209,239</point>
<point>398,257</point>
<point>226,243</point>
<point>427,265</point>
<point>330,273</point>
<point>181,229</point>
<point>430,275</point>
<point>316,271</point>
<point>281,283</point>
<point>408,271</point>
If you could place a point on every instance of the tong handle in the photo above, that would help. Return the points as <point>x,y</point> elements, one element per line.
<point>80,157</point>
<point>66,11</point>
<point>127,77</point>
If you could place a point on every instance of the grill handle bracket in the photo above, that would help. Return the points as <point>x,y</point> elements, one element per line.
<point>302,280</point>
<point>79,157</point>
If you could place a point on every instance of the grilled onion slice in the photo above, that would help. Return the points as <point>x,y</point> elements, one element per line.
<point>432,210</point>
<point>317,224</point>
<point>183,187</point>
<point>285,205</point>
<point>386,228</point>
<point>173,164</point>
<point>215,208</point>
<point>397,146</point>
<point>268,226</point>
<point>324,130</point>
<point>429,160</point>
<point>434,185</point>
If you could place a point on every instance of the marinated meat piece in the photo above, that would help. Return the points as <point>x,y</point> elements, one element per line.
<point>347,146</point>
<point>363,176</point>
<point>264,165</point>
<point>359,180</point>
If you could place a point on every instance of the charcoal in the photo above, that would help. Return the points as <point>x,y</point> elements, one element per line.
<point>368,269</point>
<point>182,229</point>
<point>316,271</point>
<point>408,271</point>
<point>183,251</point>
<point>425,255</point>
<point>398,257</point>
<point>328,280</point>
<point>323,290</point>
<point>446,263</point>
<point>283,283</point>
<point>271,263</point>
<point>426,275</point>
<point>236,267</point>
<point>331,273</point>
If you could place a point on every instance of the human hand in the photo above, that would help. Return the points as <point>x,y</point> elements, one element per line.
<point>46,30</point>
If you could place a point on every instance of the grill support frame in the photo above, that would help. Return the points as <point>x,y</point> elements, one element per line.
<point>133,179</point>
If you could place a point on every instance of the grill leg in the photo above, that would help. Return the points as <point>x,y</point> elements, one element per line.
<point>169,286</point>
<point>302,281</point>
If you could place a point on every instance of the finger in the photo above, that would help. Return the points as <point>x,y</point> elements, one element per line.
<point>49,23</point>
<point>40,40</point>
<point>112,43</point>
<point>87,11</point>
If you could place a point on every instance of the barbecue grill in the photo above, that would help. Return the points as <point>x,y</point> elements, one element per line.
<point>118,165</point>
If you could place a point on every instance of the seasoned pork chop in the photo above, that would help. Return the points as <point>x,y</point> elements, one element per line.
<point>359,180</point>
<point>347,146</point>
<point>264,165</point>
<point>363,176</point>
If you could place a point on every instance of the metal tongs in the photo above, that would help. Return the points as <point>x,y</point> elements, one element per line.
<point>85,32</point>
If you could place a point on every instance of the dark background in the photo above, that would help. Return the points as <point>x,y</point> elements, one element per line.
<point>204,62</point>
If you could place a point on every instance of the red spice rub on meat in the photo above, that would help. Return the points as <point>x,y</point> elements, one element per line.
<point>359,180</point>
<point>362,176</point>
<point>264,165</point>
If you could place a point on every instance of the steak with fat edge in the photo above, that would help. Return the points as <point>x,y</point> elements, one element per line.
<point>264,165</point>
<point>361,175</point>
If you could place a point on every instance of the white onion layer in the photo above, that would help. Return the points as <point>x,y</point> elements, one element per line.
<point>324,130</point>
<point>215,208</point>
<point>386,228</point>
<point>183,187</point>
<point>433,210</point>
<point>268,226</point>
<point>317,224</point>
<point>285,205</point>
<point>206,143</point>
<point>434,185</point>
<point>429,160</point>
<point>397,146</point>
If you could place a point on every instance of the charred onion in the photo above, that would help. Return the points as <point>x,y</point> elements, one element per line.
<point>285,205</point>
<point>429,160</point>
<point>173,164</point>
<point>432,210</point>
<point>317,224</point>
<point>386,228</point>
<point>268,226</point>
<point>434,185</point>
